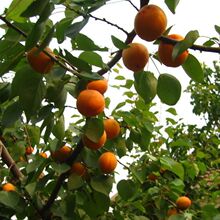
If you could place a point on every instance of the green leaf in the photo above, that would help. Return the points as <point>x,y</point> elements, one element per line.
<point>36,8</point>
<point>146,85</point>
<point>193,69</point>
<point>34,134</point>
<point>74,182</point>
<point>16,8</point>
<point>47,39</point>
<point>82,42</point>
<point>172,4</point>
<point>177,217</point>
<point>102,184</point>
<point>61,28</point>
<point>11,114</point>
<point>118,43</point>
<point>173,166</point>
<point>217,29</point>
<point>172,111</point>
<point>12,200</point>
<point>94,129</point>
<point>5,92</point>
<point>126,189</point>
<point>92,58</point>
<point>28,85</point>
<point>60,168</point>
<point>184,44</point>
<point>59,128</point>
<point>168,89</point>
<point>75,28</point>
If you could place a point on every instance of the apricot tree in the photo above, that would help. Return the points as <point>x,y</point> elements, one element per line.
<point>55,167</point>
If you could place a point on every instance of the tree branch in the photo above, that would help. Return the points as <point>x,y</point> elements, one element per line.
<point>143,3</point>
<point>7,159</point>
<point>194,47</point>
<point>133,4</point>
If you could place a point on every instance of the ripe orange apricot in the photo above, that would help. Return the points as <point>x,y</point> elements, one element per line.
<point>183,202</point>
<point>107,162</point>
<point>150,22</point>
<point>90,103</point>
<point>39,61</point>
<point>8,187</point>
<point>93,145</point>
<point>43,154</point>
<point>78,168</point>
<point>112,128</point>
<point>135,57</point>
<point>62,154</point>
<point>172,211</point>
<point>29,150</point>
<point>165,51</point>
<point>99,85</point>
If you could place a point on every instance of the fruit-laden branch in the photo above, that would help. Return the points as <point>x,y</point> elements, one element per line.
<point>45,210</point>
<point>7,159</point>
<point>193,47</point>
<point>72,70</point>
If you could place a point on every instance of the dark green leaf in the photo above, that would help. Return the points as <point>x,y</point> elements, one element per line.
<point>126,189</point>
<point>217,29</point>
<point>193,69</point>
<point>94,129</point>
<point>168,89</point>
<point>146,85</point>
<point>59,128</point>
<point>74,182</point>
<point>61,28</point>
<point>47,39</point>
<point>118,43</point>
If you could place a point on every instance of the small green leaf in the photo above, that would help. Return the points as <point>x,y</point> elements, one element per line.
<point>118,43</point>
<point>193,69</point>
<point>92,58</point>
<point>168,89</point>
<point>217,29</point>
<point>172,4</point>
<point>126,189</point>
<point>184,44</point>
<point>172,111</point>
<point>146,85</point>
<point>59,128</point>
<point>94,129</point>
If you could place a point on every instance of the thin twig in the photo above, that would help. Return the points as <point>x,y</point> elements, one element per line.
<point>133,4</point>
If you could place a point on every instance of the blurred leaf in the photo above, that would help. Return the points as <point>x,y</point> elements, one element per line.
<point>217,29</point>
<point>118,43</point>
<point>172,111</point>
<point>172,4</point>
<point>94,129</point>
<point>184,44</point>
<point>60,168</point>
<point>168,89</point>
<point>126,189</point>
<point>34,134</point>
<point>146,85</point>
<point>74,182</point>
<point>61,28</point>
<point>47,39</point>
<point>92,58</point>
<point>59,128</point>
<point>193,69</point>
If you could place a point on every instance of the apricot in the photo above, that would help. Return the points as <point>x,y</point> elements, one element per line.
<point>95,145</point>
<point>183,202</point>
<point>165,51</point>
<point>62,154</point>
<point>150,22</point>
<point>112,128</point>
<point>8,187</point>
<point>172,211</point>
<point>152,177</point>
<point>29,150</point>
<point>78,168</point>
<point>99,85</point>
<point>43,154</point>
<point>135,57</point>
<point>107,162</point>
<point>90,103</point>
<point>39,61</point>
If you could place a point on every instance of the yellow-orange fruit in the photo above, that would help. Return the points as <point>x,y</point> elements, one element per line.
<point>107,162</point>
<point>78,168</point>
<point>183,202</point>
<point>43,154</point>
<point>98,85</point>
<point>150,22</point>
<point>90,103</point>
<point>39,61</point>
<point>172,211</point>
<point>135,57</point>
<point>93,145</point>
<point>112,128</point>
<point>8,187</point>
<point>165,51</point>
<point>29,150</point>
<point>62,154</point>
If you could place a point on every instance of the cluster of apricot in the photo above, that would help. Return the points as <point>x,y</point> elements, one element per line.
<point>149,24</point>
